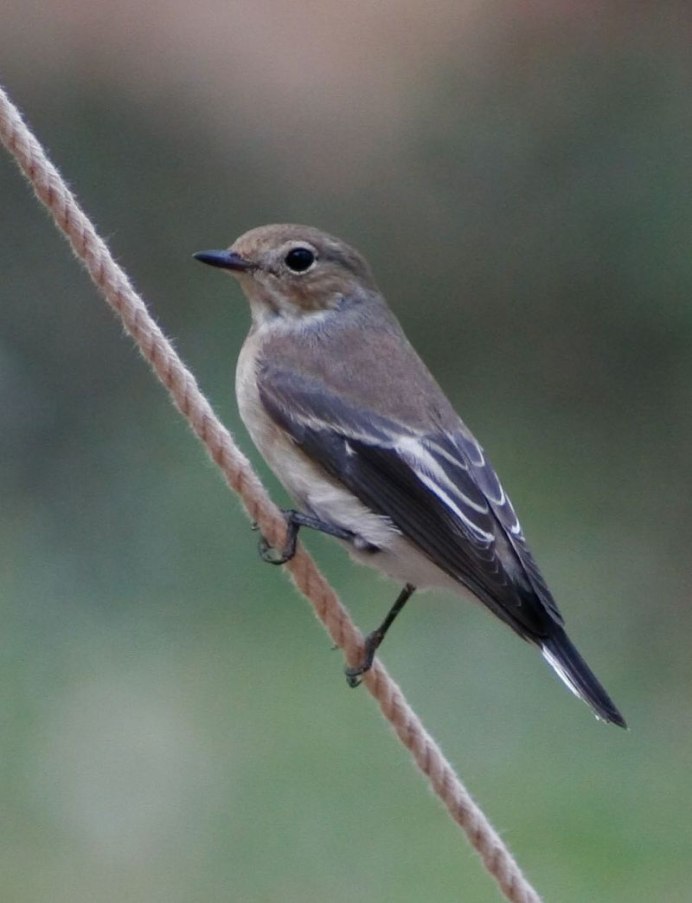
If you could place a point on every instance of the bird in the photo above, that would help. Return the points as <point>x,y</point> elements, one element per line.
<point>371,450</point>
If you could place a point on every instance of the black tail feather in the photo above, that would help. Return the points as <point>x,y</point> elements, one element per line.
<point>561,654</point>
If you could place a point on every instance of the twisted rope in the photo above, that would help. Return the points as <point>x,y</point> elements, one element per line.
<point>114,285</point>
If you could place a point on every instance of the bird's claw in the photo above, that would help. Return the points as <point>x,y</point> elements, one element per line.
<point>354,673</point>
<point>269,554</point>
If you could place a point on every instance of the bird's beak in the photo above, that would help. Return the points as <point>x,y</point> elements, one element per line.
<point>227,260</point>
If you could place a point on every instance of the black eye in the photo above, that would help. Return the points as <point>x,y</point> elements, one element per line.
<point>299,259</point>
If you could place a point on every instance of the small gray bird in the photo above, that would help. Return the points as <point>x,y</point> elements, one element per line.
<point>360,434</point>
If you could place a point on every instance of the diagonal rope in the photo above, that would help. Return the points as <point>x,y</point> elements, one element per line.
<point>114,285</point>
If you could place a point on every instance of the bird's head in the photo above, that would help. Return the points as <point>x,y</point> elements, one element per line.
<point>293,271</point>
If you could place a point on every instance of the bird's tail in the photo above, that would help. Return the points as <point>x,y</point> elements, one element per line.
<point>561,655</point>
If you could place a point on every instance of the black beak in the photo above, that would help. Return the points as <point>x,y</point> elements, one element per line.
<point>226,260</point>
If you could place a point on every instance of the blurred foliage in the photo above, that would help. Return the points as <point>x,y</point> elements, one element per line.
<point>174,724</point>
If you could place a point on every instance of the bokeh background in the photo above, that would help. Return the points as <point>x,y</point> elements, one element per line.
<point>173,724</point>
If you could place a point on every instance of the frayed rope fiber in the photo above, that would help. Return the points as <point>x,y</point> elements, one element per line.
<point>114,285</point>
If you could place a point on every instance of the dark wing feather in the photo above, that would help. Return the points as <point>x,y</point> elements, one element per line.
<point>447,501</point>
<point>487,481</point>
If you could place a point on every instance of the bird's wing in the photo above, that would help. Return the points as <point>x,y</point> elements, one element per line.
<point>437,488</point>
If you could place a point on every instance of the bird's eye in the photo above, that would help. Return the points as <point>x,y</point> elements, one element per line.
<point>299,259</point>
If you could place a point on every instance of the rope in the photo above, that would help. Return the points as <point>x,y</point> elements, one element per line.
<point>116,288</point>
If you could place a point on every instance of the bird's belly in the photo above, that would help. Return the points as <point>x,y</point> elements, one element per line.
<point>325,498</point>
<point>312,488</point>
<point>405,563</point>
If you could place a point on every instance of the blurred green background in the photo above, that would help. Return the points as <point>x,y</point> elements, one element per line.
<point>173,724</point>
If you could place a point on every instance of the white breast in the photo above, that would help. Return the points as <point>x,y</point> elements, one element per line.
<point>314,490</point>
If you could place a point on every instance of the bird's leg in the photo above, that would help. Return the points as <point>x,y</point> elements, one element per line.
<point>294,521</point>
<point>374,639</point>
